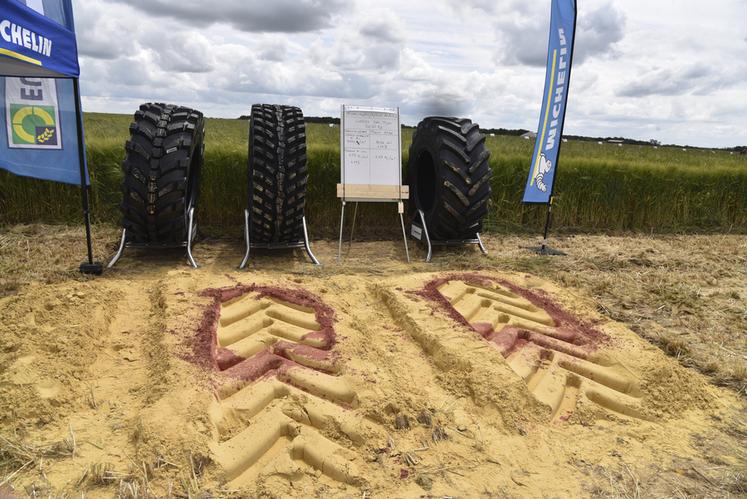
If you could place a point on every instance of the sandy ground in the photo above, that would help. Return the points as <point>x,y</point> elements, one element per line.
<point>618,371</point>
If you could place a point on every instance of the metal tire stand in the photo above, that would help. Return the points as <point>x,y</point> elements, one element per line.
<point>305,244</point>
<point>452,242</point>
<point>191,233</point>
<point>400,209</point>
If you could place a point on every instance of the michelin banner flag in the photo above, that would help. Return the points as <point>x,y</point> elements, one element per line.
<point>38,122</point>
<point>541,179</point>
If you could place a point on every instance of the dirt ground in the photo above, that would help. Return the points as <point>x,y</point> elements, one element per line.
<point>617,371</point>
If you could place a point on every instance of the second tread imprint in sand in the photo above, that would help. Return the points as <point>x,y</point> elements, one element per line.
<point>558,363</point>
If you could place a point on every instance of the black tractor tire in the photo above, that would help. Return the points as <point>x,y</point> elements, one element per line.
<point>449,177</point>
<point>162,168</point>
<point>278,174</point>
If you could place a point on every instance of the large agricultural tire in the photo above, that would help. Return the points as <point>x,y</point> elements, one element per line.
<point>278,174</point>
<point>162,168</point>
<point>449,177</point>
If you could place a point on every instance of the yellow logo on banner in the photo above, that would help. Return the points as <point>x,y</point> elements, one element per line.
<point>33,125</point>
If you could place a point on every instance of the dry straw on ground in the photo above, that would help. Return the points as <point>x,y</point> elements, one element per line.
<point>132,418</point>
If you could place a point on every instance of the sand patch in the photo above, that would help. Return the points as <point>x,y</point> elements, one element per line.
<point>337,385</point>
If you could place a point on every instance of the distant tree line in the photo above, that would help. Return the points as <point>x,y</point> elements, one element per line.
<point>617,140</point>
<point>326,120</point>
<point>520,131</point>
<point>504,131</point>
<point>308,119</point>
<point>322,120</point>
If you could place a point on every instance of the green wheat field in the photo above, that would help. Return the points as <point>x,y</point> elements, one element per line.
<point>600,188</point>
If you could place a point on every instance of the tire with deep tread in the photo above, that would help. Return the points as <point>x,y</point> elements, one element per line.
<point>449,177</point>
<point>278,174</point>
<point>162,167</point>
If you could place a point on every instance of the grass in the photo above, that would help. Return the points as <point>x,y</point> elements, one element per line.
<point>17,455</point>
<point>600,187</point>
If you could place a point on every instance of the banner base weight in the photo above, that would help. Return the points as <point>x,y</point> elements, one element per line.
<point>545,250</point>
<point>95,268</point>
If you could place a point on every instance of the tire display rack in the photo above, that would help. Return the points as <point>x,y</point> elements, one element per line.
<point>278,176</point>
<point>449,183</point>
<point>419,231</point>
<point>303,243</point>
<point>161,183</point>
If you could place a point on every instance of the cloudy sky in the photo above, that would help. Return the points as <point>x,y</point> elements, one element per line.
<point>670,70</point>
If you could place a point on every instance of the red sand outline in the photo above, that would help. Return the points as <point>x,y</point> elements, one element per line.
<point>569,329</point>
<point>274,361</point>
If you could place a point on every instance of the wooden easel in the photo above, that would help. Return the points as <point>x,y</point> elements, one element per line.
<point>371,162</point>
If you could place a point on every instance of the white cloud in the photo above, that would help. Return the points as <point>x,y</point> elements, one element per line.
<point>246,15</point>
<point>643,69</point>
<point>273,49</point>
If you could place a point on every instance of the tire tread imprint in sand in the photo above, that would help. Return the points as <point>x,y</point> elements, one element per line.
<point>554,361</point>
<point>287,413</point>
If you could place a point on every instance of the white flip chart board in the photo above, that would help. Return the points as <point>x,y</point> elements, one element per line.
<point>371,153</point>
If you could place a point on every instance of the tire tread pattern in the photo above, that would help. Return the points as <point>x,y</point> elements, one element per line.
<point>278,174</point>
<point>462,173</point>
<point>162,166</point>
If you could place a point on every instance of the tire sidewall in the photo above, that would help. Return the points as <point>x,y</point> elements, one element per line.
<point>250,165</point>
<point>426,140</point>
<point>194,171</point>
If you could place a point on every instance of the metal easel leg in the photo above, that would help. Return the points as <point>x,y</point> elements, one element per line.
<point>480,244</point>
<point>247,240</point>
<point>352,227</point>
<point>427,237</point>
<point>342,221</point>
<point>120,250</point>
<point>190,236</point>
<point>307,245</point>
<point>404,234</point>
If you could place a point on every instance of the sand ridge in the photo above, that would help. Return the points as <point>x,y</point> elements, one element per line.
<point>401,400</point>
